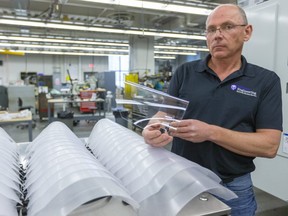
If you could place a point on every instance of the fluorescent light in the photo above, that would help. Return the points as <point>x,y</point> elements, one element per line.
<point>174,53</point>
<point>87,42</point>
<point>181,48</point>
<point>52,40</point>
<point>170,50</point>
<point>68,53</point>
<point>155,6</point>
<point>143,32</point>
<point>164,57</point>
<point>64,47</point>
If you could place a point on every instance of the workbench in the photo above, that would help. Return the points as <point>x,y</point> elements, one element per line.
<point>17,120</point>
<point>95,115</point>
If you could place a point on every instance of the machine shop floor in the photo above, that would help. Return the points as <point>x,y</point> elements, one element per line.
<point>268,205</point>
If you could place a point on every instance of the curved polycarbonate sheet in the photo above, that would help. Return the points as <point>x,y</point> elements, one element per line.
<point>51,162</point>
<point>56,187</point>
<point>55,155</point>
<point>8,155</point>
<point>8,207</point>
<point>125,158</point>
<point>43,141</point>
<point>9,193</point>
<point>86,189</point>
<point>151,172</point>
<point>149,159</point>
<point>9,167</point>
<point>63,167</point>
<point>157,176</point>
<point>8,172</point>
<point>181,194</point>
<point>148,174</point>
<point>151,165</point>
<point>59,166</point>
<point>64,203</point>
<point>78,172</point>
<point>5,161</point>
<point>55,146</point>
<point>188,176</point>
<point>149,101</point>
<point>9,175</point>
<point>7,181</point>
<point>51,155</point>
<point>11,152</point>
<point>121,158</point>
<point>114,155</point>
<point>5,136</point>
<point>101,157</point>
<point>113,136</point>
<point>58,129</point>
<point>46,146</point>
<point>36,172</point>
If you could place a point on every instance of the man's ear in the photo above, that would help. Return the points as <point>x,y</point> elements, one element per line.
<point>248,32</point>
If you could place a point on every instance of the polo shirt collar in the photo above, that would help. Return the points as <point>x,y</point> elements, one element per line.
<point>203,66</point>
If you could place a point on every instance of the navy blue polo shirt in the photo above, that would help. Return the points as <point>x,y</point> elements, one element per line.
<point>246,100</point>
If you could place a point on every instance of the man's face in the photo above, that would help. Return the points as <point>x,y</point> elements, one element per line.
<point>226,32</point>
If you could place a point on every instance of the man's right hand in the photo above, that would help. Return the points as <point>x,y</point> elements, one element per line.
<point>154,137</point>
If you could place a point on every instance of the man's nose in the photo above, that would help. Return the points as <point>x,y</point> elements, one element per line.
<point>218,29</point>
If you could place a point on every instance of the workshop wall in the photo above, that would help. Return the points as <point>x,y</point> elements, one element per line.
<point>47,65</point>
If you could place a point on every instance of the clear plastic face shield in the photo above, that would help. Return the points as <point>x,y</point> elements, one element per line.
<point>152,106</point>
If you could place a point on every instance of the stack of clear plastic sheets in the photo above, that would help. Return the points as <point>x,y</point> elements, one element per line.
<point>63,177</point>
<point>112,172</point>
<point>160,181</point>
<point>9,175</point>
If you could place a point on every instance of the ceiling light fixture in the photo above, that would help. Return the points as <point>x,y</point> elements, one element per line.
<point>87,42</point>
<point>155,6</point>
<point>69,53</point>
<point>84,49</point>
<point>63,47</point>
<point>181,48</point>
<point>15,46</point>
<point>52,40</point>
<point>142,32</point>
<point>81,54</point>
<point>174,53</point>
<point>164,57</point>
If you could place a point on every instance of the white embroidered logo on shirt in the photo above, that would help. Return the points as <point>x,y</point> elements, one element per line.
<point>243,90</point>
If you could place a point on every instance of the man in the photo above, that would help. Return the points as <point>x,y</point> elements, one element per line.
<point>235,109</point>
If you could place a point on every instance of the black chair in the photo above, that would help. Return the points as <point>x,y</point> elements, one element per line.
<point>20,108</point>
